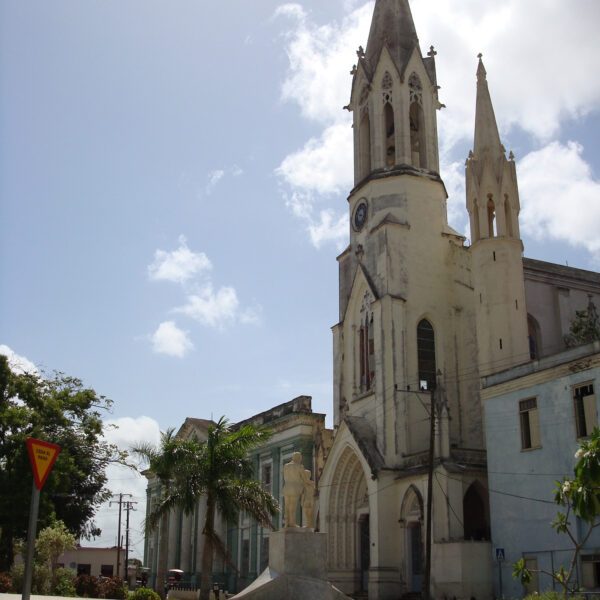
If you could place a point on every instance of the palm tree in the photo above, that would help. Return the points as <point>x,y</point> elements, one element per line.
<point>162,461</point>
<point>218,469</point>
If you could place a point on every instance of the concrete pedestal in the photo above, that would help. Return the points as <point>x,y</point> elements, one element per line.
<point>297,569</point>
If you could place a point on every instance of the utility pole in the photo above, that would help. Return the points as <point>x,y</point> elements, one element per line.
<point>427,583</point>
<point>120,503</point>
<point>128,507</point>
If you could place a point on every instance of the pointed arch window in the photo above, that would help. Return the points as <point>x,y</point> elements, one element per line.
<point>390,142</point>
<point>491,214</point>
<point>364,144</point>
<point>367,354</point>
<point>426,355</point>
<point>417,122</point>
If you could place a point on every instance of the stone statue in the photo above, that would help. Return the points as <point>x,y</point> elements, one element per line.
<point>308,501</point>
<point>295,478</point>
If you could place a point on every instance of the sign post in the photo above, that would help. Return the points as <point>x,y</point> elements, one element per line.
<point>500,559</point>
<point>42,456</point>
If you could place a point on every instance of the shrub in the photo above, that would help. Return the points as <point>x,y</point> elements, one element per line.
<point>5,582</point>
<point>64,583</point>
<point>40,580</point>
<point>144,594</point>
<point>551,595</point>
<point>88,586</point>
<point>115,588</point>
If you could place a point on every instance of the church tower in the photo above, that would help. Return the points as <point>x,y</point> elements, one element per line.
<point>406,335</point>
<point>493,206</point>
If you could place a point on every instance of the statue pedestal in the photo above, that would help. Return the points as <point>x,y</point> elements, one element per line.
<point>298,551</point>
<point>297,569</point>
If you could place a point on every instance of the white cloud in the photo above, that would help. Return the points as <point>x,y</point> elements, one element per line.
<point>125,432</point>
<point>179,265</point>
<point>169,339</point>
<point>210,307</point>
<point>214,177</point>
<point>17,363</point>
<point>536,84</point>
<point>559,196</point>
<point>323,164</point>
<point>329,226</point>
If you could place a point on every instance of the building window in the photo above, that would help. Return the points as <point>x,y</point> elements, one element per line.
<point>426,355</point>
<point>106,570</point>
<point>590,570</point>
<point>266,477</point>
<point>367,354</point>
<point>533,585</point>
<point>530,427</point>
<point>586,415</point>
<point>264,552</point>
<point>83,569</point>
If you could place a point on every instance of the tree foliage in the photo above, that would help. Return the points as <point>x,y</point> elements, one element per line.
<point>578,497</point>
<point>51,543</point>
<point>585,327</point>
<point>58,409</point>
<point>220,471</point>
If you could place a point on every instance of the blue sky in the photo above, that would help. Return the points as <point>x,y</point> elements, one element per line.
<point>173,183</point>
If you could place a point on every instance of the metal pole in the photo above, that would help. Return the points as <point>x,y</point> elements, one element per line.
<point>31,531</point>
<point>127,508</point>
<point>119,536</point>
<point>426,591</point>
<point>500,578</point>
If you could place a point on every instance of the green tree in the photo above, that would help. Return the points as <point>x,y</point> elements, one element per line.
<point>219,470</point>
<point>579,497</point>
<point>162,462</point>
<point>51,543</point>
<point>58,409</point>
<point>585,327</point>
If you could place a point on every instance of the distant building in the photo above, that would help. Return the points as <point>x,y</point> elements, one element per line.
<point>535,415</point>
<point>94,561</point>
<point>295,428</point>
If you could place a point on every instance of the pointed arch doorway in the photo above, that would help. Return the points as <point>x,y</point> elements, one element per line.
<point>412,518</point>
<point>349,524</point>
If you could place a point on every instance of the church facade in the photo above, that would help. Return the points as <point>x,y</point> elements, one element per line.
<point>423,316</point>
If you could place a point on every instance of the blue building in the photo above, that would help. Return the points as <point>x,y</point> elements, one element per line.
<point>535,416</point>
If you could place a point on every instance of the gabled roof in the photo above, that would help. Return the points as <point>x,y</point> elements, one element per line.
<point>364,436</point>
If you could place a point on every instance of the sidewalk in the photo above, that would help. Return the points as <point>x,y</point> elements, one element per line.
<point>33,597</point>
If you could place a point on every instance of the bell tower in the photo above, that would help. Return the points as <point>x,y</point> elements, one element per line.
<point>393,101</point>
<point>493,206</point>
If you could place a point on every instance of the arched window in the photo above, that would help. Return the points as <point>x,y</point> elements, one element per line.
<point>491,211</point>
<point>367,354</point>
<point>426,355</point>
<point>417,122</point>
<point>412,519</point>
<point>508,216</point>
<point>475,513</point>
<point>390,143</point>
<point>365,145</point>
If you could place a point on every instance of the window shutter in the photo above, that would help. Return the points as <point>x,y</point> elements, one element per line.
<point>534,428</point>
<point>591,414</point>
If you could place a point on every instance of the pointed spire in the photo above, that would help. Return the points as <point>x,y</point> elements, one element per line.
<point>487,138</point>
<point>392,25</point>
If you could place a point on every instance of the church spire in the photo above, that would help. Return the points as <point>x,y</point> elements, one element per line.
<point>487,138</point>
<point>392,26</point>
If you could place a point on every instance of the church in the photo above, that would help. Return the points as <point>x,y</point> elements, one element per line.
<point>423,317</point>
<point>438,339</point>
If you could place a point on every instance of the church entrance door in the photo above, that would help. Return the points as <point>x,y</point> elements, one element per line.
<point>415,558</point>
<point>365,552</point>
